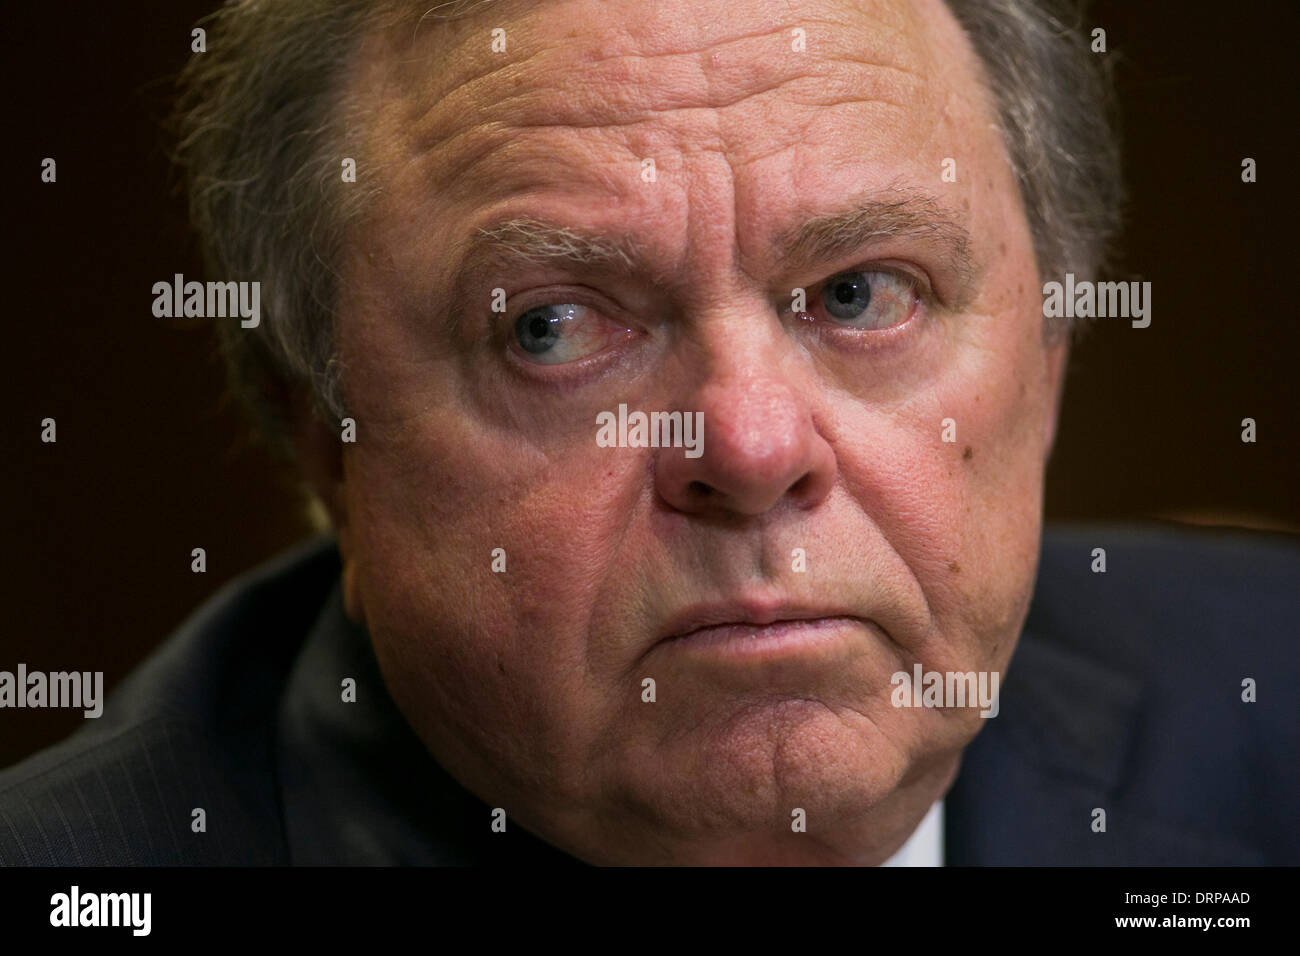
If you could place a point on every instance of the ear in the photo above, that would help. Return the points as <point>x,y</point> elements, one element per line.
<point>1058,360</point>
<point>320,450</point>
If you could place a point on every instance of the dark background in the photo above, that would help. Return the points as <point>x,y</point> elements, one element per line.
<point>152,460</point>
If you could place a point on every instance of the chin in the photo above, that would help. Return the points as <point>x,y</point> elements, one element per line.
<point>728,792</point>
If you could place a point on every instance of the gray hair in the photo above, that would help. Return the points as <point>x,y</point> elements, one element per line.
<point>262,114</point>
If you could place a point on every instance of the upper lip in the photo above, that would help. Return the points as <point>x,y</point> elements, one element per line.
<point>754,613</point>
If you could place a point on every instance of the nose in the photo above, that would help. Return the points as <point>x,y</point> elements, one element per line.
<point>761,446</point>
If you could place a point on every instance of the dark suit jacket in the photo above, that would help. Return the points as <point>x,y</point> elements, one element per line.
<point>1125,694</point>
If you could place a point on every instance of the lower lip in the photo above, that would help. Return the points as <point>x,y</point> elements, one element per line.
<point>778,639</point>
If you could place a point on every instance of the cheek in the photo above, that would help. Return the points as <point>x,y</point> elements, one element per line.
<point>482,568</point>
<point>953,480</point>
<point>1001,400</point>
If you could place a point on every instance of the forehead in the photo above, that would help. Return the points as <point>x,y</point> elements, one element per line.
<point>771,108</point>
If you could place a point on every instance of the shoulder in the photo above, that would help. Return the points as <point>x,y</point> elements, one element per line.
<point>187,737</point>
<point>1156,679</point>
<point>1173,604</point>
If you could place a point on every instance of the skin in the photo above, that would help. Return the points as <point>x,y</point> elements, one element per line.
<point>527,685</point>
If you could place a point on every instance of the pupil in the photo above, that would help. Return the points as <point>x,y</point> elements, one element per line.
<point>847,296</point>
<point>537,330</point>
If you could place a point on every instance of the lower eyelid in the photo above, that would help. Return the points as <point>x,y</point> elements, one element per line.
<point>575,374</point>
<point>850,339</point>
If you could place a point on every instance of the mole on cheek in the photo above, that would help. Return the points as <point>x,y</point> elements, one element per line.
<point>968,453</point>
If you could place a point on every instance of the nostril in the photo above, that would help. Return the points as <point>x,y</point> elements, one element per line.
<point>800,487</point>
<point>698,489</point>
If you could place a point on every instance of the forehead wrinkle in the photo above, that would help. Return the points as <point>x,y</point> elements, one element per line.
<point>624,97</point>
<point>609,86</point>
<point>454,151</point>
<point>650,114</point>
<point>503,163</point>
<point>423,118</point>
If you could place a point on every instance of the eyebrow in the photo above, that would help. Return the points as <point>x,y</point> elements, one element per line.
<point>539,241</point>
<point>901,214</point>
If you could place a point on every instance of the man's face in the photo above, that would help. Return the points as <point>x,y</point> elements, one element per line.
<point>823,429</point>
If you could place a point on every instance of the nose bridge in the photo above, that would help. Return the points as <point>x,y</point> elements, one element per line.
<point>760,438</point>
<point>752,403</point>
<point>741,372</point>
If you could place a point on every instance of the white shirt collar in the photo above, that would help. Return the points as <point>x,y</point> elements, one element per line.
<point>925,846</point>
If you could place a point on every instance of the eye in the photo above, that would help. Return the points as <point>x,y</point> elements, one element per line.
<point>869,299</point>
<point>556,333</point>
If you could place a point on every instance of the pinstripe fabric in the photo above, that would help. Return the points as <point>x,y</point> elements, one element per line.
<point>126,801</point>
<point>192,728</point>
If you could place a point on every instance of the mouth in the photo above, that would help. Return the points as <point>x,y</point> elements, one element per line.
<point>757,630</point>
